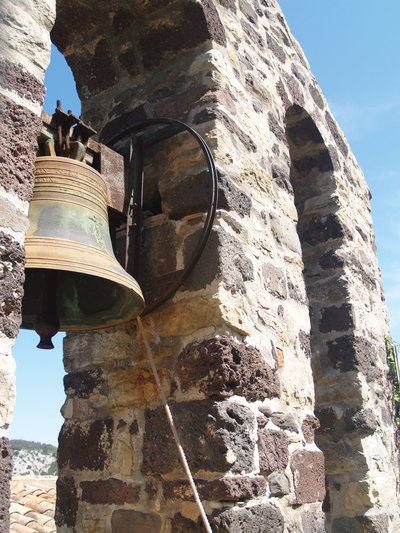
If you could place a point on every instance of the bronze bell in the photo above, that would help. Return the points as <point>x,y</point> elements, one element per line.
<point>73,281</point>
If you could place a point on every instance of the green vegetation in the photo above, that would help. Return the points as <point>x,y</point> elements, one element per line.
<point>19,444</point>
<point>392,360</point>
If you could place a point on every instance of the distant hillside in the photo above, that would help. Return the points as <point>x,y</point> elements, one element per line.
<point>34,458</point>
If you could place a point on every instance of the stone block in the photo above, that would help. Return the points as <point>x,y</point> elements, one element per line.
<point>323,228</point>
<point>349,353</point>
<point>278,484</point>
<point>285,421</point>
<point>223,257</point>
<point>19,132</point>
<point>255,519</point>
<point>124,520</point>
<point>216,436</point>
<point>308,427</point>
<point>181,524</point>
<point>222,367</point>
<point>12,259</point>
<point>67,503</point>
<point>85,445</point>
<point>313,522</point>
<point>273,450</point>
<point>109,491</point>
<point>336,318</point>
<point>6,467</point>
<point>274,280</point>
<point>308,470</point>
<point>136,386</point>
<point>229,488</point>
<point>83,384</point>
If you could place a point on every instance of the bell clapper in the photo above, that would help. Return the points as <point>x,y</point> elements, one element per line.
<point>47,323</point>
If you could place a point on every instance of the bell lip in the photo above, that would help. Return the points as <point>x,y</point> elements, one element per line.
<point>92,261</point>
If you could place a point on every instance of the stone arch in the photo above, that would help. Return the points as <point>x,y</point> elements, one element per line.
<point>335,349</point>
<point>121,52</point>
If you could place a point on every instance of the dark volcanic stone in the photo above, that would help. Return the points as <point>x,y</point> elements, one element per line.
<point>304,339</point>
<point>315,93</point>
<point>85,445</point>
<point>309,476</point>
<point>231,198</point>
<point>259,518</point>
<point>223,256</point>
<point>83,384</point>
<point>336,318</point>
<point>230,488</point>
<point>277,50</point>
<point>208,430</point>
<point>273,450</point>
<point>322,228</point>
<point>125,521</point>
<point>12,258</point>
<point>67,503</point>
<point>180,524</point>
<point>109,491</point>
<point>18,145</point>
<point>349,353</point>
<point>308,427</point>
<point>6,466</point>
<point>223,367</point>
<point>16,78</point>
<point>362,420</point>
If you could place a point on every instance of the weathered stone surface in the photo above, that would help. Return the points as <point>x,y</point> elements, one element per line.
<point>278,484</point>
<point>336,318</point>
<point>6,466</point>
<point>322,228</point>
<point>229,488</point>
<point>308,427</point>
<point>304,339</point>
<point>180,524</point>
<point>85,445</point>
<point>255,519</point>
<point>313,522</point>
<point>309,476</point>
<point>362,524</point>
<point>18,146</point>
<point>222,367</point>
<point>336,134</point>
<point>109,491</point>
<point>349,353</point>
<point>124,520</point>
<point>231,197</point>
<point>273,450</point>
<point>362,420</point>
<point>274,280</point>
<point>83,384</point>
<point>216,436</point>
<point>222,257</point>
<point>285,421</point>
<point>67,503</point>
<point>192,25</point>
<point>157,258</point>
<point>16,78</point>
<point>12,263</point>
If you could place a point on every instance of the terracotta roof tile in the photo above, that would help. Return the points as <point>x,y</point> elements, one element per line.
<point>32,504</point>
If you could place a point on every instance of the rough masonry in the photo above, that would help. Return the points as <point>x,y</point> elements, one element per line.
<point>272,354</point>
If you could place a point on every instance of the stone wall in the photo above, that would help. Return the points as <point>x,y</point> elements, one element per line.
<point>24,56</point>
<point>243,366</point>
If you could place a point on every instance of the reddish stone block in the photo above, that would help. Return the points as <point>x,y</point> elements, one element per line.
<point>273,450</point>
<point>309,425</point>
<point>223,367</point>
<point>109,491</point>
<point>86,445</point>
<point>308,470</point>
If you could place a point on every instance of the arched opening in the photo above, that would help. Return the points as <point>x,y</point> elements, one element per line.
<point>323,235</point>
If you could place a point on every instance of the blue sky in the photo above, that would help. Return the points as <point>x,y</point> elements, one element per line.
<point>352,47</point>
